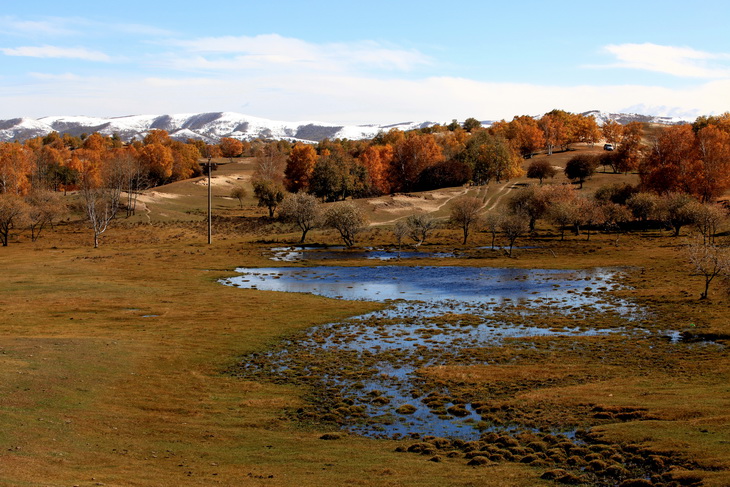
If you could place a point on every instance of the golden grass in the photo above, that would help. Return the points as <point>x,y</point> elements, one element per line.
<point>112,371</point>
<point>113,361</point>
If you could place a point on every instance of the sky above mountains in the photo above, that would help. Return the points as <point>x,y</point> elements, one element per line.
<point>364,62</point>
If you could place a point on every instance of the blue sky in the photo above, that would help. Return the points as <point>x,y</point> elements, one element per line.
<point>364,62</point>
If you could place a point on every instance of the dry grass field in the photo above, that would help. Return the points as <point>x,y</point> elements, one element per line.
<point>114,361</point>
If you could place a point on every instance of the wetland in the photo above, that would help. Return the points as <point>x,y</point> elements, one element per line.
<point>449,358</point>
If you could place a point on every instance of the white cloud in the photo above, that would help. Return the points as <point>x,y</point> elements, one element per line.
<point>278,52</point>
<point>56,52</point>
<point>677,61</point>
<point>36,28</point>
<point>347,99</point>
<point>56,77</point>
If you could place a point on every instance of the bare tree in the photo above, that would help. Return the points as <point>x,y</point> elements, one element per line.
<point>708,220</point>
<point>708,260</point>
<point>43,208</point>
<point>270,162</point>
<point>400,230</point>
<point>135,178</point>
<point>419,227</point>
<point>13,212</point>
<point>302,209</point>
<point>347,218</point>
<point>101,190</point>
<point>514,226</point>
<point>465,214</point>
<point>238,192</point>
<point>493,222</point>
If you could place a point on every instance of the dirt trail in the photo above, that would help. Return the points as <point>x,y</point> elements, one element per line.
<point>489,201</point>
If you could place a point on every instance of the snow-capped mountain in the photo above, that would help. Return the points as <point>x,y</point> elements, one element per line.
<point>211,127</point>
<point>624,118</point>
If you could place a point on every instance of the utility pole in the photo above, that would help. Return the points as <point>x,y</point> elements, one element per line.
<point>210,200</point>
<point>209,166</point>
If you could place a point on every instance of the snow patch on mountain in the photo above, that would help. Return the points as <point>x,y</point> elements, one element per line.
<point>213,126</point>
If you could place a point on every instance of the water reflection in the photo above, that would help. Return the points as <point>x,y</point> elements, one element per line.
<point>434,315</point>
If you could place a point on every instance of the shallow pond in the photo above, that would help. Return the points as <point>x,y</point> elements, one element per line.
<point>366,368</point>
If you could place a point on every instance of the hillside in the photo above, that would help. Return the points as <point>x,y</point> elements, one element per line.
<point>211,127</point>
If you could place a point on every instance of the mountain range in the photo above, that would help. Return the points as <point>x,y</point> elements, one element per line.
<point>211,127</point>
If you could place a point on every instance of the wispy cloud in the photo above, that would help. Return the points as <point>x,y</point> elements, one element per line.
<point>275,51</point>
<point>348,98</point>
<point>56,77</point>
<point>677,61</point>
<point>56,52</point>
<point>35,28</point>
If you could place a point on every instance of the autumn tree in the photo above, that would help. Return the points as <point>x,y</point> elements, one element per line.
<point>612,131</point>
<point>630,152</point>
<point>714,174</point>
<point>13,212</point>
<point>299,167</point>
<point>185,159</point>
<point>490,157</point>
<point>554,131</point>
<point>523,133</point>
<point>347,218</point>
<point>464,214</point>
<point>541,169</point>
<point>673,163</point>
<point>158,160</point>
<point>269,194</point>
<point>411,155</point>
<point>230,147</point>
<point>336,177</point>
<point>15,168</point>
<point>302,209</point>
<point>580,168</point>
<point>376,159</point>
<point>49,159</point>
<point>445,174</point>
<point>587,130</point>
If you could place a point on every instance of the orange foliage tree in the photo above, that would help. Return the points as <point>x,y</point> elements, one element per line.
<point>158,159</point>
<point>411,155</point>
<point>299,167</point>
<point>714,177</point>
<point>674,164</point>
<point>377,160</point>
<point>230,147</point>
<point>15,168</point>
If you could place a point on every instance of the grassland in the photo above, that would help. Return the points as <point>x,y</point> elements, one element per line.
<point>113,361</point>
